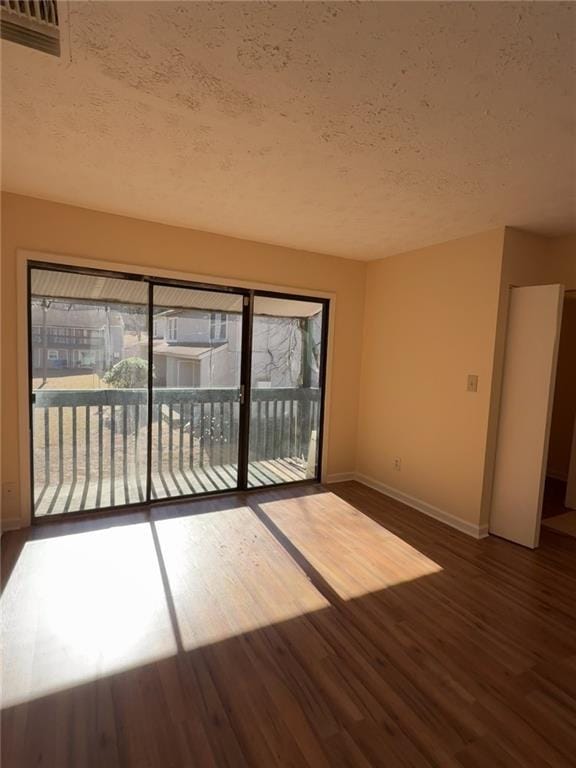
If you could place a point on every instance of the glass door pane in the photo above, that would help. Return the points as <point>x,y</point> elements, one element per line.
<point>89,363</point>
<point>197,350</point>
<point>286,390</point>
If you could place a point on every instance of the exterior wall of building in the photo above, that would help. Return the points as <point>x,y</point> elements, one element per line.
<point>160,370</point>
<point>180,373</point>
<point>199,329</point>
<point>276,353</point>
<point>72,346</point>
<point>220,368</point>
<point>59,358</point>
<point>171,372</point>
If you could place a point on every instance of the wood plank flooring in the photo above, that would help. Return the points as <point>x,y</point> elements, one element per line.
<point>316,626</point>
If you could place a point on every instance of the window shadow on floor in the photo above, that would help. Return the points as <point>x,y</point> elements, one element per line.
<point>471,664</point>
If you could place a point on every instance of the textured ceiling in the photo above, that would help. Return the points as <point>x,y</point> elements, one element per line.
<point>358,129</point>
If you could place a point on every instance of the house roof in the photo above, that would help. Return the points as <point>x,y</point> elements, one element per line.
<point>185,352</point>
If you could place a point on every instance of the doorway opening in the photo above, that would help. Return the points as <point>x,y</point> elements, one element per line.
<point>145,390</point>
<point>559,505</point>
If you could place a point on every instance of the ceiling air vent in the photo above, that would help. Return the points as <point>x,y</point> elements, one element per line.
<point>33,23</point>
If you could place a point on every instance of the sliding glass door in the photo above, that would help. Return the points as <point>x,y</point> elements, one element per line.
<point>287,363</point>
<point>197,356</point>
<point>142,390</point>
<point>88,365</point>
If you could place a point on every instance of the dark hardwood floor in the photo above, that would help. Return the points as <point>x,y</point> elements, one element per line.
<point>306,627</point>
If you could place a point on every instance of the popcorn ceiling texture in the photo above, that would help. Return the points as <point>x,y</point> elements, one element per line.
<point>358,129</point>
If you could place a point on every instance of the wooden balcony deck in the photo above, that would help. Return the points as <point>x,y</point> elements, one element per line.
<point>83,495</point>
<point>90,446</point>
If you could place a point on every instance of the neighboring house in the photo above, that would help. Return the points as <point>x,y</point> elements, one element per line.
<point>194,348</point>
<point>193,326</point>
<point>80,337</point>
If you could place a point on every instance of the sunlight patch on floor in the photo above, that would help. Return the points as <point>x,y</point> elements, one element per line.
<point>228,575</point>
<point>86,605</point>
<point>353,553</point>
<point>81,606</point>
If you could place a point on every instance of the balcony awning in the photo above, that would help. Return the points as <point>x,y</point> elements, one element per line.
<point>92,289</point>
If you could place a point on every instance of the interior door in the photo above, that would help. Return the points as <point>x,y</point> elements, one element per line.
<point>529,374</point>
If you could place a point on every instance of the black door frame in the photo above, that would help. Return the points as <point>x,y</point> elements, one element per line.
<point>245,294</point>
<point>248,296</point>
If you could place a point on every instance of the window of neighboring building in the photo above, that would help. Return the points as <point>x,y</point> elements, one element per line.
<point>218,323</point>
<point>52,354</point>
<point>85,358</point>
<point>172,334</point>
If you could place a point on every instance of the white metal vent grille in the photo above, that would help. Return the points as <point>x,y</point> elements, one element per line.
<point>33,23</point>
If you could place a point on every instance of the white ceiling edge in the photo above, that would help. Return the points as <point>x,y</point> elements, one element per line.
<point>364,259</point>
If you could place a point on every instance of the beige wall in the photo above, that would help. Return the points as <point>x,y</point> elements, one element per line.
<point>534,260</point>
<point>562,254</point>
<point>420,322</point>
<point>34,224</point>
<point>430,320</point>
<point>432,316</point>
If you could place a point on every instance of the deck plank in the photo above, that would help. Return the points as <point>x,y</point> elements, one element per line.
<point>58,499</point>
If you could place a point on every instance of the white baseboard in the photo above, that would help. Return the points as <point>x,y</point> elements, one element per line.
<point>340,477</point>
<point>476,531</point>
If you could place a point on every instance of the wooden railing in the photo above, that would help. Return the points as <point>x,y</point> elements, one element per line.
<point>97,437</point>
<point>282,421</point>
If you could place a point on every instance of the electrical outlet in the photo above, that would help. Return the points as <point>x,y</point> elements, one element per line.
<point>397,463</point>
<point>472,383</point>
